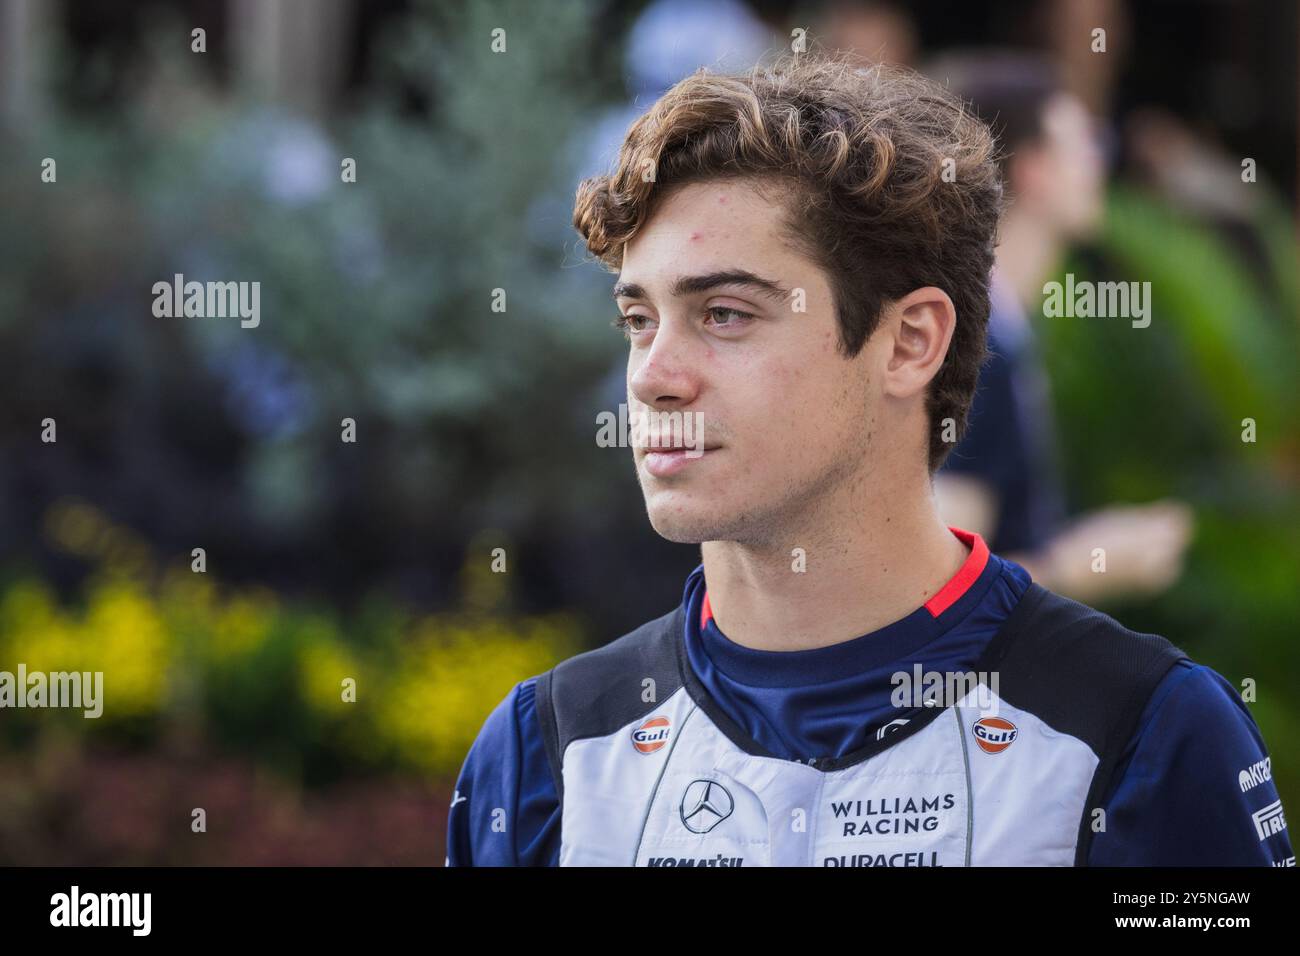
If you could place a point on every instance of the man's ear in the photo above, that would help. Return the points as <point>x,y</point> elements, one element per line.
<point>920,327</point>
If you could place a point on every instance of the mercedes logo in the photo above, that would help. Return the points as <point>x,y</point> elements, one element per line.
<point>705,804</point>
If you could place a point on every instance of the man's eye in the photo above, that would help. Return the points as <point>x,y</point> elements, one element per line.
<point>628,323</point>
<point>726,317</point>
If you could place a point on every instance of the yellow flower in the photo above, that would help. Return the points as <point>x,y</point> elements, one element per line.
<point>451,677</point>
<point>324,663</point>
<point>124,636</point>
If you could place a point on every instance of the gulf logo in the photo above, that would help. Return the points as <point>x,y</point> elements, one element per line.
<point>994,734</point>
<point>651,735</point>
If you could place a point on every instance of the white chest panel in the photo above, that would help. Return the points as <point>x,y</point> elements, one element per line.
<point>951,794</point>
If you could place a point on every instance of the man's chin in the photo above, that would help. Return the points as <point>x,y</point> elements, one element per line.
<point>680,529</point>
<point>684,523</point>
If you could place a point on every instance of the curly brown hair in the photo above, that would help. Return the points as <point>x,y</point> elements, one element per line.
<point>892,185</point>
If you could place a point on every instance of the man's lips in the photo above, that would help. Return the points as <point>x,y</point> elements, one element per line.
<point>674,446</point>
<point>664,461</point>
<point>671,445</point>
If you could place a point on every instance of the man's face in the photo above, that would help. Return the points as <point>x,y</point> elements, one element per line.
<point>785,416</point>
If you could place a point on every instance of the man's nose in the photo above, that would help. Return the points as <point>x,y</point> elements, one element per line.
<point>665,372</point>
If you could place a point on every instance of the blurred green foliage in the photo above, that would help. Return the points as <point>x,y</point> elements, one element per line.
<point>1160,411</point>
<point>377,297</point>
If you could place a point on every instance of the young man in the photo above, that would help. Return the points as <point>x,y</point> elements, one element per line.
<point>803,259</point>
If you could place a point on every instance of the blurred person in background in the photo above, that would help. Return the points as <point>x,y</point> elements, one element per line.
<point>1002,480</point>
<point>873,31</point>
<point>668,41</point>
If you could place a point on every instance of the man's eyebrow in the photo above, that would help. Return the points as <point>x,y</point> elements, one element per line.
<point>688,285</point>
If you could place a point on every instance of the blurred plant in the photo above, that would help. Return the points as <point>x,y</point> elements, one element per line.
<point>381,302</point>
<point>1162,409</point>
<point>308,694</point>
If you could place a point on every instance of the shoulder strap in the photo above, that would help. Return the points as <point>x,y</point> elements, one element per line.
<point>1084,674</point>
<point>594,694</point>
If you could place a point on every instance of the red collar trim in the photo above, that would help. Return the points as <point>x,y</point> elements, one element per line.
<point>948,595</point>
<point>966,575</point>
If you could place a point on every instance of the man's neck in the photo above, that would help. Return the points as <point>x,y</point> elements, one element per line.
<point>866,567</point>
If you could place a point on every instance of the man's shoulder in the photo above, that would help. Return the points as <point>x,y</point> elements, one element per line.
<point>1197,745</point>
<point>598,692</point>
<point>647,645</point>
<point>1077,668</point>
<point>1045,624</point>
